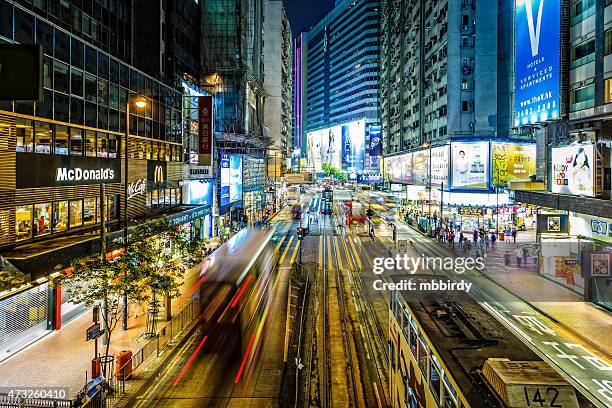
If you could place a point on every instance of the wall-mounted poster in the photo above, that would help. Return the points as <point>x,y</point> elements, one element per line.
<point>573,168</point>
<point>420,167</point>
<point>470,162</point>
<point>439,165</point>
<point>353,146</point>
<point>513,162</point>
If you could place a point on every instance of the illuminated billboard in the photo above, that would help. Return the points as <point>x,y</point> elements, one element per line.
<point>537,59</point>
<point>439,165</point>
<point>470,164</point>
<point>513,162</point>
<point>235,178</point>
<point>420,167</point>
<point>224,171</point>
<point>313,150</point>
<point>375,141</point>
<point>573,168</point>
<point>353,146</point>
<point>331,146</point>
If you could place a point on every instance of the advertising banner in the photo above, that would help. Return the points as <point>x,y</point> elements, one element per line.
<point>439,165</point>
<point>591,227</point>
<point>470,162</point>
<point>224,171</point>
<point>375,141</point>
<point>537,56</point>
<point>205,130</point>
<point>420,167</point>
<point>406,165</point>
<point>573,168</point>
<point>353,146</point>
<point>552,224</point>
<point>396,168</point>
<point>313,150</point>
<point>596,264</point>
<point>513,162</point>
<point>198,192</point>
<point>235,178</point>
<point>369,178</point>
<point>331,146</point>
<point>50,170</point>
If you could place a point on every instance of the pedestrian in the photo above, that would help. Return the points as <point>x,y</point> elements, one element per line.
<point>518,252</point>
<point>507,258</point>
<point>493,239</point>
<point>514,235</point>
<point>475,237</point>
<point>525,253</point>
<point>461,238</point>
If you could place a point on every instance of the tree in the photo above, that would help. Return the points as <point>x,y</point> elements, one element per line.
<point>103,282</point>
<point>153,254</point>
<point>333,172</point>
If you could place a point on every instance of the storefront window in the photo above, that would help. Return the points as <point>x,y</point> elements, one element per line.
<point>25,141</point>
<point>154,198</point>
<point>42,218</point>
<point>113,144</point>
<point>76,142</point>
<point>42,142</point>
<point>162,151</point>
<point>23,222</point>
<point>89,211</point>
<point>111,207</point>
<point>61,140</point>
<point>90,143</point>
<point>149,151</point>
<point>60,216</point>
<point>76,213</point>
<point>102,145</point>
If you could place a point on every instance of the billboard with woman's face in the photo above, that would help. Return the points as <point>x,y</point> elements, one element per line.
<point>470,162</point>
<point>573,168</point>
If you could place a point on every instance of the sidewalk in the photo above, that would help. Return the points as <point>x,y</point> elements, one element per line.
<point>583,319</point>
<point>63,358</point>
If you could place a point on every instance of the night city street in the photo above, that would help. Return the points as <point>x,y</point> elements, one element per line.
<point>306,203</point>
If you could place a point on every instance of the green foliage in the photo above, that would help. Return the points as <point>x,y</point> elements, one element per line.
<point>333,172</point>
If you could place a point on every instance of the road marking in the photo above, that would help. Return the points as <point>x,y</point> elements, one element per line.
<point>338,254</point>
<point>286,250</point>
<point>357,258</point>
<point>295,252</point>
<point>279,243</point>
<point>320,251</point>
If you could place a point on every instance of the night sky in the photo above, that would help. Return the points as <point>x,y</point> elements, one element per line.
<point>304,13</point>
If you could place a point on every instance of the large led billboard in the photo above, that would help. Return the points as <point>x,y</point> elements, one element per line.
<point>513,162</point>
<point>470,164</point>
<point>537,59</point>
<point>331,146</point>
<point>439,165</point>
<point>224,165</point>
<point>353,146</point>
<point>235,178</point>
<point>573,168</point>
<point>420,167</point>
<point>375,141</point>
<point>313,150</point>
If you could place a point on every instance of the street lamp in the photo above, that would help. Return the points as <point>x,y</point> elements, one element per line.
<point>140,102</point>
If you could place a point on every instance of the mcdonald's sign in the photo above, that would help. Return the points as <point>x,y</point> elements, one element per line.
<point>157,173</point>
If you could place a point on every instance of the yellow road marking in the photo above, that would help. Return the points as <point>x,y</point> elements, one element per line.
<point>356,253</point>
<point>279,243</point>
<point>330,257</point>
<point>320,251</point>
<point>286,250</point>
<point>338,254</point>
<point>295,252</point>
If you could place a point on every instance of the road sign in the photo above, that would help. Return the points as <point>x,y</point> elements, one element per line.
<point>402,245</point>
<point>94,331</point>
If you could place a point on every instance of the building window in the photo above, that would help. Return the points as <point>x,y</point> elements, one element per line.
<point>89,211</point>
<point>76,82</point>
<point>42,142</point>
<point>102,145</point>
<point>582,98</point>
<point>76,213</point>
<point>608,87</point>
<point>42,219</point>
<point>90,143</point>
<point>23,222</point>
<point>76,142</point>
<point>113,146</point>
<point>583,53</point>
<point>25,140</point>
<point>608,42</point>
<point>464,85</point>
<point>60,216</point>
<point>581,10</point>
<point>61,140</point>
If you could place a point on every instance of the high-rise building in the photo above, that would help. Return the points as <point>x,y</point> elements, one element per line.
<point>278,61</point>
<point>341,87</point>
<point>56,154</point>
<point>569,111</point>
<point>233,73</point>
<point>439,72</point>
<point>299,102</point>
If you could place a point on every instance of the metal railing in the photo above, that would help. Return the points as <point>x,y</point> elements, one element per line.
<point>119,382</point>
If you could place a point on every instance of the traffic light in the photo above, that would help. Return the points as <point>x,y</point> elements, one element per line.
<point>300,232</point>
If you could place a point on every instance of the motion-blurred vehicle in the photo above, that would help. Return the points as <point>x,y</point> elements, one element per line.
<point>294,195</point>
